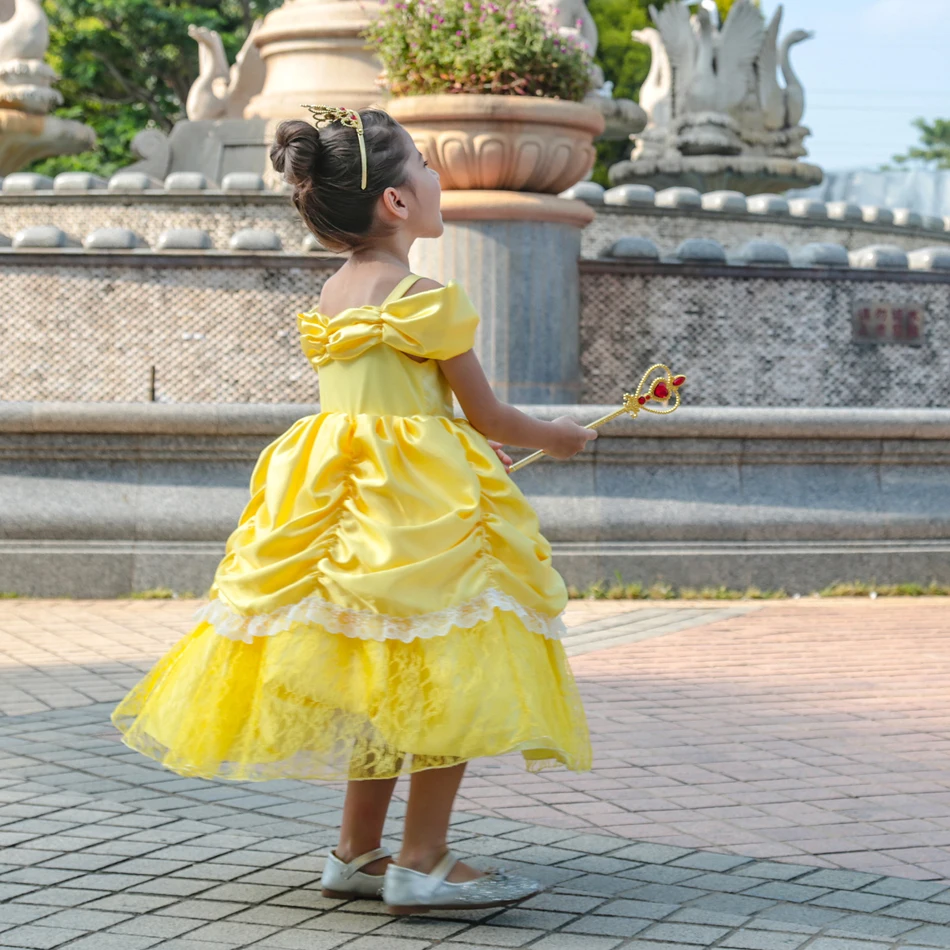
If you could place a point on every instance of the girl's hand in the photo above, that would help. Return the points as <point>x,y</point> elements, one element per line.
<point>500,452</point>
<point>568,438</point>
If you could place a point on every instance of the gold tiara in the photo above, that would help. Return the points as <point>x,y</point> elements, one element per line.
<point>326,115</point>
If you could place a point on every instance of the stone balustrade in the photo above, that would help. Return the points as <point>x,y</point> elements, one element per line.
<point>100,500</point>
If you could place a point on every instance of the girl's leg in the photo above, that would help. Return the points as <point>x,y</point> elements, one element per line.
<point>364,811</point>
<point>431,795</point>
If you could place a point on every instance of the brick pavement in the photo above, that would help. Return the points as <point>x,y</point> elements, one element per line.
<point>787,726</point>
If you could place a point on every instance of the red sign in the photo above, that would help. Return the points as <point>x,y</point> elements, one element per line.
<point>888,323</point>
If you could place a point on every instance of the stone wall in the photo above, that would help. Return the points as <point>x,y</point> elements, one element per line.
<point>100,500</point>
<point>138,325</point>
<point>133,327</point>
<point>761,336</point>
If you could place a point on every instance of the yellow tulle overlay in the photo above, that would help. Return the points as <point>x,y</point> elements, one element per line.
<point>308,703</point>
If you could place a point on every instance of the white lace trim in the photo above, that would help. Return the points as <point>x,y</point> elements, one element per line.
<point>368,625</point>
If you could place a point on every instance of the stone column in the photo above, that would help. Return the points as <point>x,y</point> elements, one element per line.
<point>516,255</point>
<point>313,52</point>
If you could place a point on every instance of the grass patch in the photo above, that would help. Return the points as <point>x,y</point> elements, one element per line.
<point>159,593</point>
<point>8,595</point>
<point>618,590</point>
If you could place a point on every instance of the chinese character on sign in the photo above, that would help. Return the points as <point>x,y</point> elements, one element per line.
<point>887,323</point>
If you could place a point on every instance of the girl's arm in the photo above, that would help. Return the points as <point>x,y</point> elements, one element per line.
<point>503,423</point>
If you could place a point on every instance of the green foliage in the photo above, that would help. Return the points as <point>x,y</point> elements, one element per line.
<point>625,63</point>
<point>127,65</point>
<point>499,47</point>
<point>934,145</point>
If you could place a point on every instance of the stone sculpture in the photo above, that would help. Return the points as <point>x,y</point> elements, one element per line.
<point>718,118</point>
<point>223,91</point>
<point>27,93</point>
<point>623,116</point>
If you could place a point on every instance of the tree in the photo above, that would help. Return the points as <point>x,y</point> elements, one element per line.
<point>127,65</point>
<point>934,145</point>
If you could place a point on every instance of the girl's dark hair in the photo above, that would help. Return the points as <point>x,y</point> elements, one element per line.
<point>325,169</point>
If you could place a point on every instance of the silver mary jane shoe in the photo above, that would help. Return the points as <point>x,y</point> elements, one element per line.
<point>412,892</point>
<point>348,882</point>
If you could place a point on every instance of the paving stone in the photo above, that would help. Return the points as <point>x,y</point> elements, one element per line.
<point>651,853</point>
<point>907,888</point>
<point>345,923</point>
<point>667,893</point>
<point>849,900</point>
<point>11,914</point>
<point>712,918</point>
<point>83,919</point>
<point>149,925</point>
<point>130,903</point>
<point>563,941</point>
<point>684,933</point>
<point>839,879</point>
<point>661,874</point>
<point>711,861</point>
<point>929,934</point>
<point>388,943</point>
<point>498,936</point>
<point>784,891</point>
<point>566,903</point>
<point>173,886</point>
<point>201,909</point>
<point>231,933</point>
<point>40,938</point>
<point>531,919</point>
<point>760,940</point>
<point>844,943</point>
<point>647,910</point>
<point>608,926</point>
<point>9,891</point>
<point>61,896</point>
<point>274,916</point>
<point>103,941</point>
<point>597,864</point>
<point>302,940</point>
<point>774,870</point>
<point>83,862</point>
<point>928,911</point>
<point>422,929</point>
<point>732,904</point>
<point>802,914</point>
<point>598,885</point>
<point>871,926</point>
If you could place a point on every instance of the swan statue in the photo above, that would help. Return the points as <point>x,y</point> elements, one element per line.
<point>221,91</point>
<point>794,92</point>
<point>771,96</point>
<point>656,91</point>
<point>709,66</point>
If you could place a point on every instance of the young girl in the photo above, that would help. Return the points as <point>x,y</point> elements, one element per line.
<point>387,604</point>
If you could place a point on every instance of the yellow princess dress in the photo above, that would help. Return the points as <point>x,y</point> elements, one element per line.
<point>387,602</point>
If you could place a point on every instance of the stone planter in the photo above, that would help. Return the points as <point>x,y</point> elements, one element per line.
<point>508,143</point>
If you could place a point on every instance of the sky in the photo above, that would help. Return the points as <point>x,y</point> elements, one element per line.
<point>873,66</point>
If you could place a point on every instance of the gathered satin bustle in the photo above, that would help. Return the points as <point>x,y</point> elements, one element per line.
<point>387,602</point>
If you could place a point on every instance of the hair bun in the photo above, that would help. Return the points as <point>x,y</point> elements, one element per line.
<point>296,150</point>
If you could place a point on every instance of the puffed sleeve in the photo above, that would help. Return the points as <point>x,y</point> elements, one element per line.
<point>437,324</point>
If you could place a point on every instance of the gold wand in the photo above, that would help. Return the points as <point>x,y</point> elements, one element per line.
<point>660,389</point>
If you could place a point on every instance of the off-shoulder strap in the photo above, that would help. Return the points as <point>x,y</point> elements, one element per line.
<point>401,288</point>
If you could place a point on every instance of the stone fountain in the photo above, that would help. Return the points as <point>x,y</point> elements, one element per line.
<point>27,95</point>
<point>304,51</point>
<point>718,119</point>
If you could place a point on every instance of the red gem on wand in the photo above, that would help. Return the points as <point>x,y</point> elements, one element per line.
<point>679,380</point>
<point>642,399</point>
<point>661,390</point>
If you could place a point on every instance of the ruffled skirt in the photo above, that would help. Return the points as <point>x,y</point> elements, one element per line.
<point>363,629</point>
